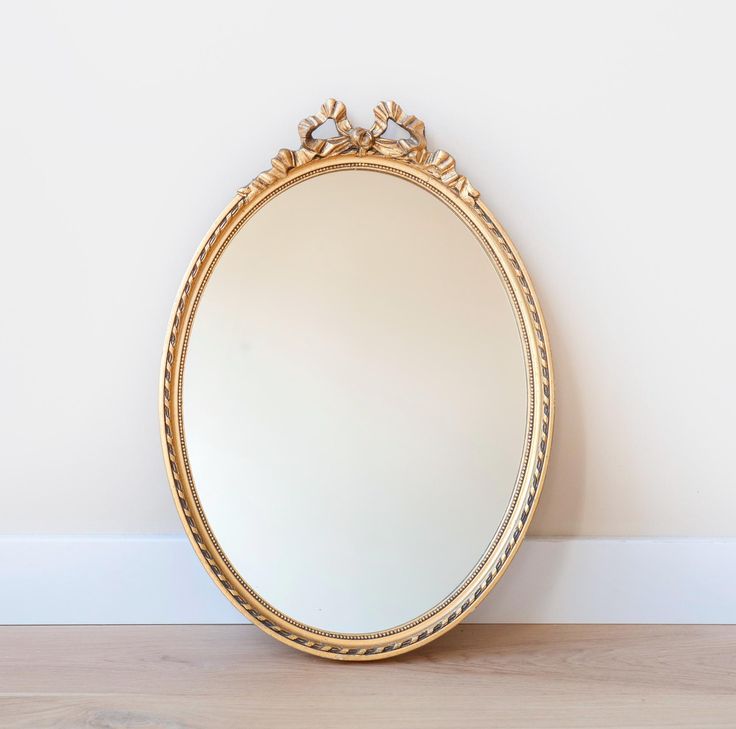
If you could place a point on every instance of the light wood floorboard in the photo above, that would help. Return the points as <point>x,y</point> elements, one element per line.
<point>229,676</point>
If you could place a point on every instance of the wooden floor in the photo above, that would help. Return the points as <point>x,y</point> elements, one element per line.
<point>227,677</point>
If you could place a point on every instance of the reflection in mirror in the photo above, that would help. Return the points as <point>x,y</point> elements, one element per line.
<point>354,401</point>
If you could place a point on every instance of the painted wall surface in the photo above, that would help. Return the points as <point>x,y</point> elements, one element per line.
<point>602,136</point>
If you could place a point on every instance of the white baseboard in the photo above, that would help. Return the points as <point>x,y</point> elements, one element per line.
<point>142,579</point>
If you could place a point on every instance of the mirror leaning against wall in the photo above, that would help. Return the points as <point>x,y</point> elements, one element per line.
<point>356,396</point>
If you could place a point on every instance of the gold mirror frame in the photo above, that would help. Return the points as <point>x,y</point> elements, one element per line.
<point>408,158</point>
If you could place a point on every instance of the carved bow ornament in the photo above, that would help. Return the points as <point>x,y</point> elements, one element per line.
<point>360,141</point>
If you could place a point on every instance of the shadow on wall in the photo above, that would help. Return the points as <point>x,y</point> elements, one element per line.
<point>563,494</point>
<point>536,578</point>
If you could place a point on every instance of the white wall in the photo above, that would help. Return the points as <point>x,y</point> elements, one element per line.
<point>601,134</point>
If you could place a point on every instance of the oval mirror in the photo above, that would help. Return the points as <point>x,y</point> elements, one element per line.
<point>356,393</point>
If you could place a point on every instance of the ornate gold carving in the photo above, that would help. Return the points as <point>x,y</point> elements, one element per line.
<point>356,140</point>
<point>352,148</point>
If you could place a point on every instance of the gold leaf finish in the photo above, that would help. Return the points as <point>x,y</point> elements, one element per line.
<point>363,142</point>
<point>408,158</point>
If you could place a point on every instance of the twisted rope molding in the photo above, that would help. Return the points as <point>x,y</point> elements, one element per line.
<point>440,166</point>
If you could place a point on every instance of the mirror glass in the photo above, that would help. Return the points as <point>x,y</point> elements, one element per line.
<point>354,401</point>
